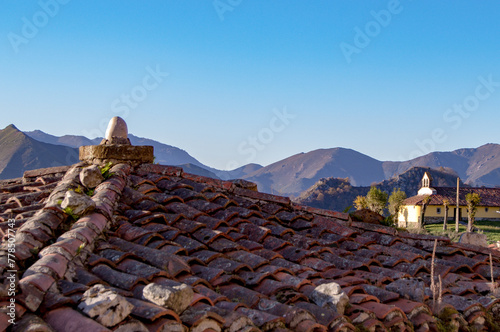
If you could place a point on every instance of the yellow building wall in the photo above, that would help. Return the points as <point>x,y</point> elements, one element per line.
<point>409,214</point>
<point>483,212</point>
<point>438,211</point>
<point>490,214</point>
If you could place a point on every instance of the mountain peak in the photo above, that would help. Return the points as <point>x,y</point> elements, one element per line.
<point>11,127</point>
<point>11,133</point>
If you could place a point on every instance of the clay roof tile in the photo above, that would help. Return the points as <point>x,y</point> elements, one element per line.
<point>151,312</point>
<point>67,319</point>
<point>244,253</point>
<point>212,295</point>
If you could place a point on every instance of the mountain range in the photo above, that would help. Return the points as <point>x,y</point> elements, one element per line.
<point>293,175</point>
<point>20,151</point>
<point>164,154</point>
<point>339,194</point>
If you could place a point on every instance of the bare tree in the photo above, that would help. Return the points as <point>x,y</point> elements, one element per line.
<point>446,202</point>
<point>425,202</point>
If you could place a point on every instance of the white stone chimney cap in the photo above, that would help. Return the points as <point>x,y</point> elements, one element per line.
<point>117,127</point>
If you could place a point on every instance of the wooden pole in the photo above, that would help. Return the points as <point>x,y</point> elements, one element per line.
<point>457,213</point>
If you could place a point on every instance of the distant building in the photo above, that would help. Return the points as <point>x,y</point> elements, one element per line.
<point>412,207</point>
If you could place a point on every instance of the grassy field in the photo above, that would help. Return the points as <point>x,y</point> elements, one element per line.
<point>490,228</point>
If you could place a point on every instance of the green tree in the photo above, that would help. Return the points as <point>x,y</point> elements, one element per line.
<point>376,200</point>
<point>473,200</point>
<point>396,201</point>
<point>360,203</point>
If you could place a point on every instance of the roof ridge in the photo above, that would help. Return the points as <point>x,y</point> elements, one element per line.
<point>233,186</point>
<point>35,173</point>
<point>55,258</point>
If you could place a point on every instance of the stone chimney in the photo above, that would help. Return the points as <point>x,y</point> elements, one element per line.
<point>116,147</point>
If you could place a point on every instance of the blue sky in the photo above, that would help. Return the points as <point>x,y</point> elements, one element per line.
<point>234,82</point>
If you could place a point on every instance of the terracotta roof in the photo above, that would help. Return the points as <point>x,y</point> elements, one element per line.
<point>241,260</point>
<point>489,196</point>
<point>21,198</point>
